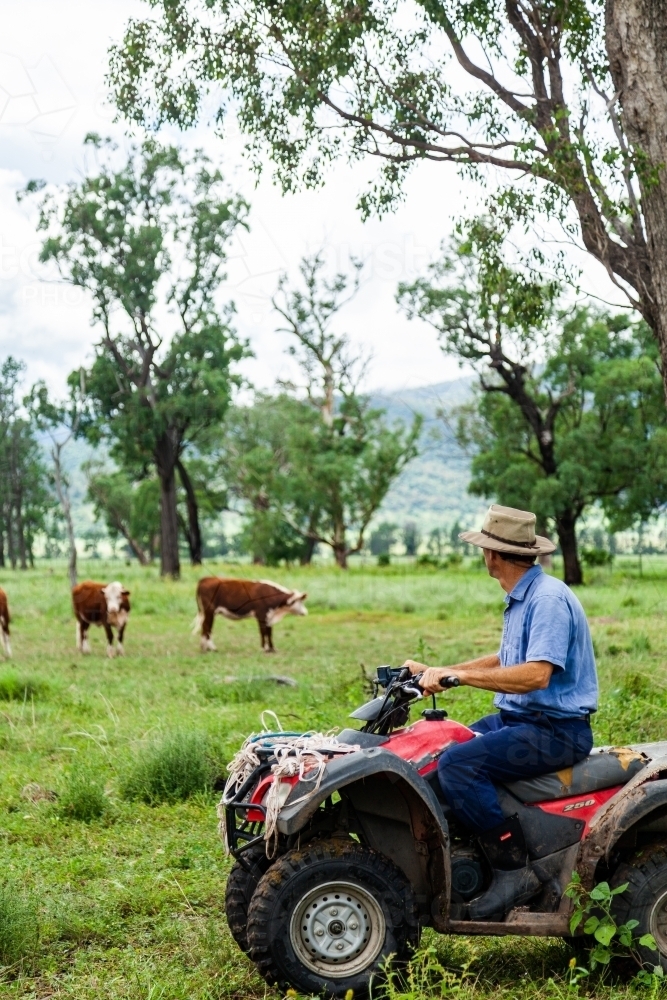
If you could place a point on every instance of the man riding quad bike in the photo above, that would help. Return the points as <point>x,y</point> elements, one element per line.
<point>346,848</point>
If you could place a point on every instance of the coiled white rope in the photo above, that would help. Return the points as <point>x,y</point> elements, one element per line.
<point>304,755</point>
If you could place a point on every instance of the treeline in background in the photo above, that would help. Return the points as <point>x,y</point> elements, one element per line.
<point>566,415</point>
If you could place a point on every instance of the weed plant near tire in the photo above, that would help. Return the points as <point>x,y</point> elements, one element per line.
<point>170,769</point>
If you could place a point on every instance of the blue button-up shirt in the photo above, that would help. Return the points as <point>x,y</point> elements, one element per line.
<point>543,620</point>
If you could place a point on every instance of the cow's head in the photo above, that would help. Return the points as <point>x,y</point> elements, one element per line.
<point>296,605</point>
<point>113,595</point>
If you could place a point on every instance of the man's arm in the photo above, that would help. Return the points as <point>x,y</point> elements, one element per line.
<point>486,673</point>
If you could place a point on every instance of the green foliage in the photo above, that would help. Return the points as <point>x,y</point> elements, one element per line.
<point>15,688</point>
<point>83,796</point>
<point>586,424</point>
<point>19,924</point>
<point>424,977</point>
<point>310,82</point>
<point>170,769</point>
<point>232,691</point>
<point>596,557</point>
<point>593,913</point>
<point>411,538</point>
<point>129,510</point>
<point>147,239</point>
<point>27,506</point>
<point>384,559</point>
<point>317,456</point>
<point>382,538</point>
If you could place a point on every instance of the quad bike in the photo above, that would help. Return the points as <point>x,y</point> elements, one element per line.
<point>371,853</point>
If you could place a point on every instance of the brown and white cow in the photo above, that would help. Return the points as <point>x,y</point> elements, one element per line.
<point>4,623</point>
<point>103,604</point>
<point>237,599</point>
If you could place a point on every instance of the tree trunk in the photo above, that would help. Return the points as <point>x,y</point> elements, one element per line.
<point>135,547</point>
<point>166,456</point>
<point>193,532</point>
<point>567,536</point>
<point>308,550</point>
<point>339,543</point>
<point>637,48</point>
<point>11,546</point>
<point>20,533</point>
<point>63,497</point>
<point>340,555</point>
<point>2,547</point>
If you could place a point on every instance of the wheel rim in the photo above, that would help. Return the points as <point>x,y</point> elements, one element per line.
<point>338,929</point>
<point>658,923</point>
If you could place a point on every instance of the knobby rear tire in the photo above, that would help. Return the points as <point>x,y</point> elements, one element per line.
<point>273,918</point>
<point>645,900</point>
<point>241,885</point>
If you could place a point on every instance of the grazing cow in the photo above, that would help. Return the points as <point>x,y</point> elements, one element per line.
<point>4,623</point>
<point>103,604</point>
<point>236,599</point>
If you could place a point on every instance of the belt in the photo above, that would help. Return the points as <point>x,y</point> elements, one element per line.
<point>551,718</point>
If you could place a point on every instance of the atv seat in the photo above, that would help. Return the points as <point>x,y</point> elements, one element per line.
<point>601,769</point>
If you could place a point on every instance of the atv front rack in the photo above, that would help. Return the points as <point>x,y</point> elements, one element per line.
<point>242,833</point>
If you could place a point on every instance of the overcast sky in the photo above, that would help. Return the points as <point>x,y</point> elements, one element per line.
<point>52,92</point>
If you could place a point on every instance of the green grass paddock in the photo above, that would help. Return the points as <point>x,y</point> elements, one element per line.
<point>130,904</point>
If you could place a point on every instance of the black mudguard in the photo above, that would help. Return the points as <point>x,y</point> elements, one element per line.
<point>398,813</point>
<point>632,806</point>
<point>350,768</point>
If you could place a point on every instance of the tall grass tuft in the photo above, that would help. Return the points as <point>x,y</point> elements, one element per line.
<point>170,769</point>
<point>19,925</point>
<point>83,797</point>
<point>231,692</point>
<point>15,688</point>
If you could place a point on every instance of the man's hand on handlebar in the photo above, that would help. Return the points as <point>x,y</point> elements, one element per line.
<point>431,676</point>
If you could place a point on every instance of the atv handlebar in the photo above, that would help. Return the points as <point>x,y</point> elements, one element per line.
<point>449,682</point>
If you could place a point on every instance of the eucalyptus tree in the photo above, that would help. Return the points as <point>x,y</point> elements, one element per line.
<point>25,498</point>
<point>568,97</point>
<point>147,238</point>
<point>61,421</point>
<point>569,410</point>
<point>343,457</point>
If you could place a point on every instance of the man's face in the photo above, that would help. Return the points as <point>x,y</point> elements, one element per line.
<point>491,560</point>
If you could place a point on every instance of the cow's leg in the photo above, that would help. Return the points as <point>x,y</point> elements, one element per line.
<point>82,636</point>
<point>111,652</point>
<point>5,638</point>
<point>269,636</point>
<point>265,633</point>
<point>206,643</point>
<point>121,632</point>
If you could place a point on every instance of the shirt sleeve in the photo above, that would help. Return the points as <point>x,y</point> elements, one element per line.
<point>549,632</point>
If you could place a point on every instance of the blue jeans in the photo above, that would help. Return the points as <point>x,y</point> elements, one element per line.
<point>511,747</point>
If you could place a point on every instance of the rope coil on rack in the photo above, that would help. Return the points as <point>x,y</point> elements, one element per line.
<point>304,755</point>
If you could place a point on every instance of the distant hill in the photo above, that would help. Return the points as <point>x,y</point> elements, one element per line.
<point>433,489</point>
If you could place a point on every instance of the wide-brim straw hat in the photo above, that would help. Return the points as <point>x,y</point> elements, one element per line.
<point>509,530</point>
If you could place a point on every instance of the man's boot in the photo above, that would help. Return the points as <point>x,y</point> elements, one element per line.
<point>514,881</point>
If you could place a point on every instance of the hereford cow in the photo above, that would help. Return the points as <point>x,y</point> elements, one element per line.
<point>4,623</point>
<point>236,599</point>
<point>103,604</point>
